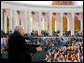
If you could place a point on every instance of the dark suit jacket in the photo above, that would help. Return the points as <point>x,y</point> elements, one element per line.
<point>18,49</point>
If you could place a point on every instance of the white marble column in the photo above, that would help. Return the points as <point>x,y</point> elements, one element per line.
<point>29,22</point>
<point>15,18</point>
<point>61,24</point>
<point>10,22</point>
<point>55,25</point>
<point>1,19</point>
<point>25,26</point>
<point>5,23</point>
<point>50,23</point>
<point>42,24</point>
<point>81,23</point>
<point>67,24</point>
<point>72,24</point>
<point>39,25</point>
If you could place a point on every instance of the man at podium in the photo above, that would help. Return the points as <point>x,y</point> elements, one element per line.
<point>19,51</point>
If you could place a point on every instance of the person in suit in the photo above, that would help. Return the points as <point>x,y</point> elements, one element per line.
<point>19,51</point>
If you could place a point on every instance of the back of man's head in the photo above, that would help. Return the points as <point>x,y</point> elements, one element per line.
<point>19,29</point>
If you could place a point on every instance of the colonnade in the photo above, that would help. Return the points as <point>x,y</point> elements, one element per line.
<point>28,22</point>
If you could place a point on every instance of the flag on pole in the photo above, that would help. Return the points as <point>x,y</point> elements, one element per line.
<point>78,16</point>
<point>56,16</point>
<point>46,18</point>
<point>34,15</point>
<point>81,15</point>
<point>68,15</point>
<point>20,14</point>
<point>6,12</point>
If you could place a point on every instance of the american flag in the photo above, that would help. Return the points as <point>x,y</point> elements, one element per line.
<point>46,18</point>
<point>6,12</point>
<point>79,18</point>
<point>35,16</point>
<point>78,15</point>
<point>20,15</point>
<point>56,16</point>
<point>68,15</point>
<point>81,15</point>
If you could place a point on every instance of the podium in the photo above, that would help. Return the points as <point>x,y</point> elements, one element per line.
<point>39,56</point>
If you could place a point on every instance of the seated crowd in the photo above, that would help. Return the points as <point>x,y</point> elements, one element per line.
<point>71,51</point>
<point>44,33</point>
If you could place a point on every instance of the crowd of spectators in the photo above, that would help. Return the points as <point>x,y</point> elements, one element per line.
<point>4,53</point>
<point>5,34</point>
<point>44,34</point>
<point>56,34</point>
<point>71,51</point>
<point>48,43</point>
